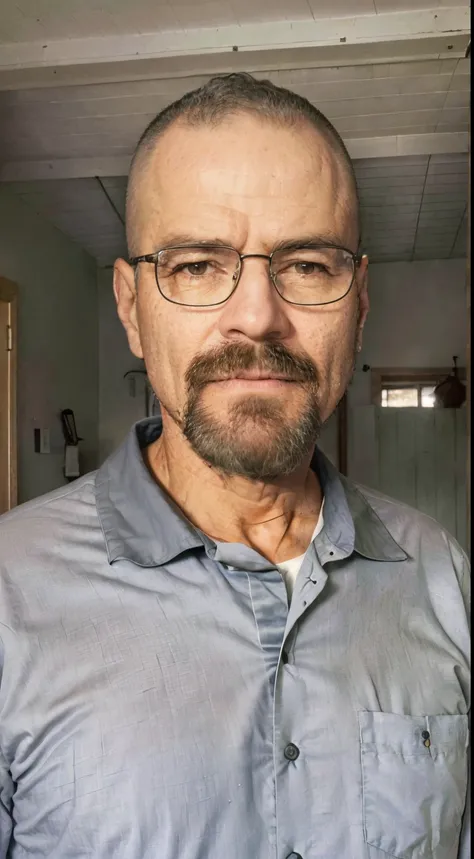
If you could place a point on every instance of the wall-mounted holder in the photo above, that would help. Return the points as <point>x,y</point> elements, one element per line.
<point>71,451</point>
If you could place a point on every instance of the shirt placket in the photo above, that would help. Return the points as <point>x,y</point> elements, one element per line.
<point>293,798</point>
<point>285,799</point>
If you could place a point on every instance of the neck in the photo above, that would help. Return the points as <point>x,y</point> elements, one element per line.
<point>276,519</point>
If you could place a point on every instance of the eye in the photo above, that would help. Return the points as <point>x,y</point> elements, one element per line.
<point>305,267</point>
<point>195,269</point>
<point>308,268</point>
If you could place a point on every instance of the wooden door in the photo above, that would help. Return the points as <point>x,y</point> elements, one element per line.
<point>8,463</point>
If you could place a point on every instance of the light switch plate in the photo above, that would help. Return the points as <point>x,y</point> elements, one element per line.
<point>42,440</point>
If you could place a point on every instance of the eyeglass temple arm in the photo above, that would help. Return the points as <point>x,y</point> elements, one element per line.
<point>145,258</point>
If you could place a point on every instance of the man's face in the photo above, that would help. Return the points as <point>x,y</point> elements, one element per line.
<point>250,185</point>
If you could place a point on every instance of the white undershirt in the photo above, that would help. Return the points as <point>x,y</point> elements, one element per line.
<point>290,569</point>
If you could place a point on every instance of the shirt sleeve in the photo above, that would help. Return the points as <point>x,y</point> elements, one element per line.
<point>6,825</point>
<point>464,851</point>
<point>6,789</point>
<point>465,840</point>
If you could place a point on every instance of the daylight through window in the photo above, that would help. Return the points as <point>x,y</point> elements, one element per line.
<point>408,396</point>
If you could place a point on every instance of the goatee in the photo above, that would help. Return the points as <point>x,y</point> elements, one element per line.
<point>255,438</point>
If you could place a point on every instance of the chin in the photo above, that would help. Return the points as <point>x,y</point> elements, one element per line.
<point>254,437</point>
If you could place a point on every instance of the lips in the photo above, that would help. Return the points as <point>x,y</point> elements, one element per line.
<point>254,376</point>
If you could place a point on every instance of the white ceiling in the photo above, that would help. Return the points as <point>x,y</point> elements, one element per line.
<point>34,20</point>
<point>361,100</point>
<point>393,82</point>
<point>414,208</point>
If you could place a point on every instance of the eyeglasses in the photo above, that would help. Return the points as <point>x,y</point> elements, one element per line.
<point>207,275</point>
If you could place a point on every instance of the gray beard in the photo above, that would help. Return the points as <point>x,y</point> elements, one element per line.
<point>256,440</point>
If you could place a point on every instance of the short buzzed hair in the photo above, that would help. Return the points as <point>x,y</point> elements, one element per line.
<point>226,95</point>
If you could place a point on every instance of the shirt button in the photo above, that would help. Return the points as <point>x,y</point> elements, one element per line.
<point>294,856</point>
<point>291,752</point>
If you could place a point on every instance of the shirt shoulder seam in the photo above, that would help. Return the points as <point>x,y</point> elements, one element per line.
<point>39,503</point>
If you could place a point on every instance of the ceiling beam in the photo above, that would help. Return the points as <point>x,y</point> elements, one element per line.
<point>118,165</point>
<point>437,143</point>
<point>382,37</point>
<point>225,62</point>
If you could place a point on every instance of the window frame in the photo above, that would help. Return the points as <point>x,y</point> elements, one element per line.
<point>413,377</point>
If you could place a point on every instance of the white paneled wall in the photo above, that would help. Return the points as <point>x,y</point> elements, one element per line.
<point>418,319</point>
<point>417,456</point>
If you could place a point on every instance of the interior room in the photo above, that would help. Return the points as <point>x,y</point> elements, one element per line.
<point>217,640</point>
<point>78,86</point>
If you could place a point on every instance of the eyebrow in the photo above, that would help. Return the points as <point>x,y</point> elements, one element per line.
<point>328,239</point>
<point>188,239</point>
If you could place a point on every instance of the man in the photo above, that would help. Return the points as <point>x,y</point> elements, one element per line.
<point>216,647</point>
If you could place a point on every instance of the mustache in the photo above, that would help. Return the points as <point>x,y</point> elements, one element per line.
<point>225,361</point>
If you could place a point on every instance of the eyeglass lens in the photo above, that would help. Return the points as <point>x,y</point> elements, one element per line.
<point>203,276</point>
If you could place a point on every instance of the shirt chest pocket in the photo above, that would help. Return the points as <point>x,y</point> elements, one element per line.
<point>414,780</point>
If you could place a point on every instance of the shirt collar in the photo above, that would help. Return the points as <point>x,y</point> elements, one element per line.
<point>142,524</point>
<point>348,512</point>
<point>140,521</point>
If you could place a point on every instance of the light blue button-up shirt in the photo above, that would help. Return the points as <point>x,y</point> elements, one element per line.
<point>159,698</point>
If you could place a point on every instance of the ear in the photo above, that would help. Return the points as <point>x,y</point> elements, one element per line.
<point>363,295</point>
<point>125,292</point>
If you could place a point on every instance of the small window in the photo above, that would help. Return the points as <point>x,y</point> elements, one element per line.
<point>407,388</point>
<point>427,396</point>
<point>408,396</point>
<point>400,397</point>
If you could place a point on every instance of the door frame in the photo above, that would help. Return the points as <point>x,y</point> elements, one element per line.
<point>468,349</point>
<point>9,295</point>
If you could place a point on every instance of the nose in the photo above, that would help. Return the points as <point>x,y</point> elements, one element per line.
<point>255,311</point>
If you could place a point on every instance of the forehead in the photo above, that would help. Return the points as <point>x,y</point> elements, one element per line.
<point>245,180</point>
